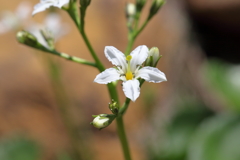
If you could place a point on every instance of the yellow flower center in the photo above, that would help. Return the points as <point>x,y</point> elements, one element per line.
<point>129,74</point>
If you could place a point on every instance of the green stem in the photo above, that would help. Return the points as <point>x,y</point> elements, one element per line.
<point>111,87</point>
<point>71,58</point>
<point>125,106</point>
<point>123,138</point>
<point>133,35</point>
<point>90,48</point>
<point>137,16</point>
<point>141,28</point>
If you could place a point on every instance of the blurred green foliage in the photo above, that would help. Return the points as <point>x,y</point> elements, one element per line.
<point>225,79</point>
<point>18,148</point>
<point>216,139</point>
<point>195,132</point>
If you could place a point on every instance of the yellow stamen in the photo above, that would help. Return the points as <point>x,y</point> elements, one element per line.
<point>129,74</point>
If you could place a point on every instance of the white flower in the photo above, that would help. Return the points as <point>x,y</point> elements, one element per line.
<point>44,4</point>
<point>129,69</point>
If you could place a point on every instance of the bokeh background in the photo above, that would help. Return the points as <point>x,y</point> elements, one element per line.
<point>192,116</point>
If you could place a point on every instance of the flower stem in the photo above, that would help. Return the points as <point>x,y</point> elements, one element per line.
<point>72,58</point>
<point>123,138</point>
<point>133,35</point>
<point>124,107</point>
<point>90,48</point>
<point>111,87</point>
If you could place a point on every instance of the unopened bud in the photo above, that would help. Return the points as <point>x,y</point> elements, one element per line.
<point>114,107</point>
<point>156,5</point>
<point>140,4</point>
<point>85,3</point>
<point>102,120</point>
<point>26,38</point>
<point>153,57</point>
<point>130,10</point>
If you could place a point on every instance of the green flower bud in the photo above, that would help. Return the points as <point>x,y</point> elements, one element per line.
<point>27,38</point>
<point>156,5</point>
<point>102,120</point>
<point>114,107</point>
<point>85,3</point>
<point>153,57</point>
<point>140,4</point>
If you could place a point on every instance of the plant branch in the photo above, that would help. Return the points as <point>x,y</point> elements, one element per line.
<point>71,58</point>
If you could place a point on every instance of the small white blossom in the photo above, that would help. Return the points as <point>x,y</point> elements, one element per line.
<point>44,4</point>
<point>129,69</point>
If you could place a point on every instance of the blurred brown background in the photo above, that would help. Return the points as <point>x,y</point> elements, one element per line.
<point>186,33</point>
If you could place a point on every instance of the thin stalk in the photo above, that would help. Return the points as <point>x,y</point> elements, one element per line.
<point>137,16</point>
<point>90,48</point>
<point>72,58</point>
<point>123,138</point>
<point>111,87</point>
<point>124,107</point>
<point>133,35</point>
<point>141,28</point>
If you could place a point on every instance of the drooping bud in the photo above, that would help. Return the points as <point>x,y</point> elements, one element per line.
<point>130,10</point>
<point>114,107</point>
<point>140,4</point>
<point>153,57</point>
<point>156,5</point>
<point>102,120</point>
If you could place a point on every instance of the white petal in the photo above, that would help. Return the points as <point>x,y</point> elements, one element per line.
<point>41,7</point>
<point>151,74</point>
<point>116,57</point>
<point>107,76</point>
<point>131,89</point>
<point>139,55</point>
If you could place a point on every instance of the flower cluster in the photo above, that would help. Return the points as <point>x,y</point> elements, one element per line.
<point>129,69</point>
